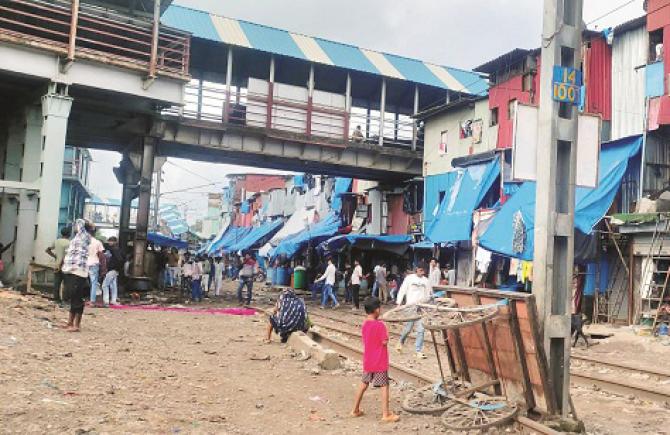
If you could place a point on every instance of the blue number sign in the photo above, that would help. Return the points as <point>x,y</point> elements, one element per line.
<point>566,85</point>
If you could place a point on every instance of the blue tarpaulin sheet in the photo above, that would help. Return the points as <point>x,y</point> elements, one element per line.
<point>168,242</point>
<point>367,241</point>
<point>342,185</point>
<point>316,233</point>
<point>258,236</point>
<point>590,204</point>
<point>465,191</point>
<point>231,236</point>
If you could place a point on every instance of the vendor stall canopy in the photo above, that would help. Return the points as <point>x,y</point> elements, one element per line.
<point>256,237</point>
<point>591,205</point>
<point>158,239</point>
<point>464,190</point>
<point>230,237</point>
<point>281,42</point>
<point>314,234</point>
<point>396,244</point>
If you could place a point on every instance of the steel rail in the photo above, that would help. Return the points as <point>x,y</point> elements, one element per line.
<point>612,385</point>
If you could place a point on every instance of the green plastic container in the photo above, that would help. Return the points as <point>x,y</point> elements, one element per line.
<point>300,278</point>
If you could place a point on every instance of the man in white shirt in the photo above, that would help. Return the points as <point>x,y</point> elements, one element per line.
<point>356,276</point>
<point>329,278</point>
<point>95,251</point>
<point>415,289</point>
<point>435,273</point>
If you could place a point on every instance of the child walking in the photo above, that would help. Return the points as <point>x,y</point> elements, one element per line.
<point>375,359</point>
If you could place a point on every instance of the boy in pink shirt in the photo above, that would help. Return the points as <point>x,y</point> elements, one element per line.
<point>375,359</point>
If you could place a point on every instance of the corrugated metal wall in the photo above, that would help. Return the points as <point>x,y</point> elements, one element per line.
<point>629,52</point>
<point>599,78</point>
<point>657,169</point>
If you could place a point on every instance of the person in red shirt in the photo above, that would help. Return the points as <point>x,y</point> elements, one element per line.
<point>375,359</point>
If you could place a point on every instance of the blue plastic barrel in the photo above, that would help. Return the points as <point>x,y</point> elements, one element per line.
<point>269,277</point>
<point>283,277</point>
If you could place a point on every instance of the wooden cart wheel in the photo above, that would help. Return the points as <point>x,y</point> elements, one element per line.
<point>477,414</point>
<point>440,320</point>
<point>425,401</point>
<point>402,313</point>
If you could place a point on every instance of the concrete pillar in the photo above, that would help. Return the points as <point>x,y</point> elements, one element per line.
<point>415,129</point>
<point>30,202</point>
<point>55,112</point>
<point>347,107</point>
<point>229,81</point>
<point>555,193</point>
<point>310,99</point>
<point>382,112</point>
<point>141,227</point>
<point>10,198</point>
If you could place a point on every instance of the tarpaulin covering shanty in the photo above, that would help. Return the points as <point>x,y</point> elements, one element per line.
<point>314,234</point>
<point>256,237</point>
<point>342,185</point>
<point>590,204</point>
<point>392,243</point>
<point>232,235</point>
<point>296,223</point>
<point>465,190</point>
<point>168,242</point>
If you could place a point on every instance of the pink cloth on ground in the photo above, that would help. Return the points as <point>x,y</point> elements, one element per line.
<point>375,351</point>
<point>228,311</point>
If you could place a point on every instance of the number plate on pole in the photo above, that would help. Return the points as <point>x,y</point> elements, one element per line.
<point>566,84</point>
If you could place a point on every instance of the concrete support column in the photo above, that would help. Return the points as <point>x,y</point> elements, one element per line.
<point>347,107</point>
<point>15,135</point>
<point>30,202</point>
<point>271,90</point>
<point>127,196</point>
<point>382,112</point>
<point>229,82</point>
<point>310,99</point>
<point>555,193</point>
<point>142,224</point>
<point>56,107</point>
<point>415,129</point>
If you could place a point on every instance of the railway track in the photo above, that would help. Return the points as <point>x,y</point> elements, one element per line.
<point>614,377</point>
<point>398,371</point>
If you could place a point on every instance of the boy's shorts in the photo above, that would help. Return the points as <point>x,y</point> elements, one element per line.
<point>377,379</point>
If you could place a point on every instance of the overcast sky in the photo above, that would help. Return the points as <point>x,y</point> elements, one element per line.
<point>458,33</point>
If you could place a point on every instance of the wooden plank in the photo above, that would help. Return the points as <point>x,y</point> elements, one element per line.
<point>488,350</point>
<point>541,358</point>
<point>450,355</point>
<point>460,354</point>
<point>521,356</point>
<point>483,292</point>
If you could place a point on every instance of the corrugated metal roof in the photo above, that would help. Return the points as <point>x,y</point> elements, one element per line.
<point>245,34</point>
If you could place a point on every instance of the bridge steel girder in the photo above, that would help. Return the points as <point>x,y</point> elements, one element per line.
<point>259,147</point>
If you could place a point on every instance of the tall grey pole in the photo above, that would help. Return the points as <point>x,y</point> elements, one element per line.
<point>555,194</point>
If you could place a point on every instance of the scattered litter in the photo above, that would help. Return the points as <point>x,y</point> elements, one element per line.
<point>211,352</point>
<point>303,356</point>
<point>313,416</point>
<point>59,402</point>
<point>259,358</point>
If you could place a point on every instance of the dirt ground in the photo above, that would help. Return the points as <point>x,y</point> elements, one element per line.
<point>166,372</point>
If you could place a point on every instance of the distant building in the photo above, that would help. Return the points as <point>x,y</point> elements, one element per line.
<point>74,188</point>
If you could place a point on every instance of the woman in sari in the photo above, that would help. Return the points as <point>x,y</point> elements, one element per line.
<point>289,315</point>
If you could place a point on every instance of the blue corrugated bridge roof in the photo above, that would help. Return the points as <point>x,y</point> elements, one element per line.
<point>258,37</point>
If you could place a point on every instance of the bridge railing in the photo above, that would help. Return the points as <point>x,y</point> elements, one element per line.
<point>93,33</point>
<point>207,101</point>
